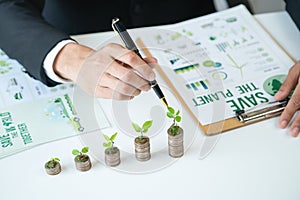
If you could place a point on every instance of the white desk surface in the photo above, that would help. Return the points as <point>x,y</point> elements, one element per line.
<point>260,161</point>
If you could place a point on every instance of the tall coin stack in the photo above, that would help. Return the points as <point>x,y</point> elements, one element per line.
<point>176,148</point>
<point>142,148</point>
<point>112,157</point>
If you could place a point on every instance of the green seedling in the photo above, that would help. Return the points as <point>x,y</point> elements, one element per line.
<point>52,163</point>
<point>174,129</point>
<point>142,130</point>
<point>81,155</point>
<point>109,144</point>
<point>76,152</point>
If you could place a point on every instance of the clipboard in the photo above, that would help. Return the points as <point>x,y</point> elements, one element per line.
<point>242,117</point>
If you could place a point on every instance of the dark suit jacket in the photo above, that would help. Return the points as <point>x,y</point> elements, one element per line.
<point>293,7</point>
<point>29,29</point>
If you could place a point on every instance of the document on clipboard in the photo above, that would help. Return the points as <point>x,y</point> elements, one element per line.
<point>224,68</point>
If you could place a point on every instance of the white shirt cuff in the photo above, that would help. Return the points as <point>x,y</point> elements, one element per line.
<point>49,60</point>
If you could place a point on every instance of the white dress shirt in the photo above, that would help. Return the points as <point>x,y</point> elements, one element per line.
<point>49,60</point>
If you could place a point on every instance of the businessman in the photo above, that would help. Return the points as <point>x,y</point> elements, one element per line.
<point>36,33</point>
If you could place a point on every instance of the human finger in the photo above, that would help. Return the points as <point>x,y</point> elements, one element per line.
<point>131,59</point>
<point>295,126</point>
<point>290,82</point>
<point>128,76</point>
<point>292,106</point>
<point>151,61</point>
<point>115,84</point>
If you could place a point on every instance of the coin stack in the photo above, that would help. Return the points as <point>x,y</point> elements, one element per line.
<point>83,163</point>
<point>55,170</point>
<point>176,148</point>
<point>142,148</point>
<point>112,157</point>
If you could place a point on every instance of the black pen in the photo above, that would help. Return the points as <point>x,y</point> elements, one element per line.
<point>120,29</point>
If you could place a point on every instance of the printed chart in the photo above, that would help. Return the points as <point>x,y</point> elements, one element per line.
<point>223,57</point>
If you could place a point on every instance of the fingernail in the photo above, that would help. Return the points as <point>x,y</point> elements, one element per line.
<point>137,92</point>
<point>146,88</point>
<point>295,132</point>
<point>278,94</point>
<point>283,124</point>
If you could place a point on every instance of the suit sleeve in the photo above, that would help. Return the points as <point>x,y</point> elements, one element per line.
<point>26,36</point>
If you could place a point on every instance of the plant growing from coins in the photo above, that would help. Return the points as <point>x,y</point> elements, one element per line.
<point>112,153</point>
<point>142,142</point>
<point>53,166</point>
<point>82,160</point>
<point>175,134</point>
<point>174,128</point>
<point>52,162</point>
<point>142,129</point>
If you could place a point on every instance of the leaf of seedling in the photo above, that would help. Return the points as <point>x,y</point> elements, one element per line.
<point>171,110</point>
<point>107,144</point>
<point>106,137</point>
<point>147,125</point>
<point>136,127</point>
<point>113,137</point>
<point>75,152</point>
<point>85,150</point>
<point>178,118</point>
<point>170,115</point>
<point>178,112</point>
<point>56,159</point>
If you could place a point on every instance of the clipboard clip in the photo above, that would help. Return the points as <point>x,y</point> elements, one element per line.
<point>274,110</point>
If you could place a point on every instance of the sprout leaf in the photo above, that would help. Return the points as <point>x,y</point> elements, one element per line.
<point>107,144</point>
<point>56,159</point>
<point>171,110</point>
<point>170,115</point>
<point>85,150</point>
<point>106,137</point>
<point>75,152</point>
<point>113,137</point>
<point>147,125</point>
<point>136,127</point>
<point>178,118</point>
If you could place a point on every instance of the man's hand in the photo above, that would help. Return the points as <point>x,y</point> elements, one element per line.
<point>111,72</point>
<point>290,83</point>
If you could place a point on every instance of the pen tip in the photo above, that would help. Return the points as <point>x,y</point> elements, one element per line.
<point>165,101</point>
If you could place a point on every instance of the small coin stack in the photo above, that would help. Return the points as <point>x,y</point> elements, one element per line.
<point>112,157</point>
<point>142,149</point>
<point>83,165</point>
<point>176,148</point>
<point>55,170</point>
